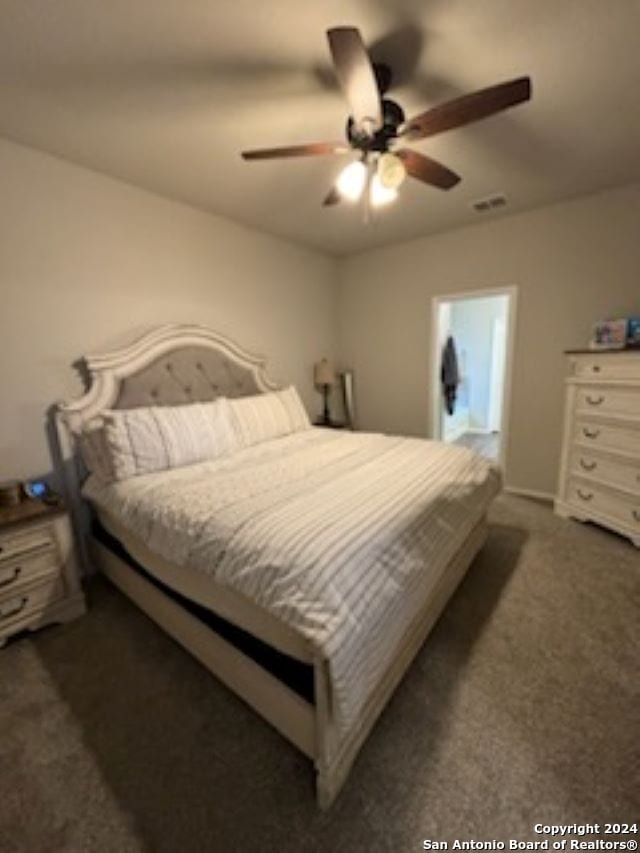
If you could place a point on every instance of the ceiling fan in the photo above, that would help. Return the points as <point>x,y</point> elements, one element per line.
<point>377,126</point>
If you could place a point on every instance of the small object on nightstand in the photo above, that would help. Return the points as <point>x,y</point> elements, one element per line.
<point>39,581</point>
<point>40,490</point>
<point>10,493</point>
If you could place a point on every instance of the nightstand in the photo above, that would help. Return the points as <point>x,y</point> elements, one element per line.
<point>39,581</point>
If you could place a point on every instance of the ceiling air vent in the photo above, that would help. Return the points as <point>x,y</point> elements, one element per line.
<point>484,205</point>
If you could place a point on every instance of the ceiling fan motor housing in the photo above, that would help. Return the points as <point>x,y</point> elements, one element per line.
<point>392,118</point>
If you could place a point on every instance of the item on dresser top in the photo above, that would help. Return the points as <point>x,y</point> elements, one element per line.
<point>39,582</point>
<point>600,468</point>
<point>609,334</point>
<point>633,332</point>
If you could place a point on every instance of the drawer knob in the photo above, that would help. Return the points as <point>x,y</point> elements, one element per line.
<point>588,466</point>
<point>16,610</point>
<point>585,496</point>
<point>14,577</point>
<point>590,433</point>
<point>595,401</point>
<point>595,368</point>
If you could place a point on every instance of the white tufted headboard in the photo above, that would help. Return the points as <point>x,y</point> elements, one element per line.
<point>168,366</point>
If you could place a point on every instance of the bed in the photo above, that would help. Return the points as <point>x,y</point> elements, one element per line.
<point>305,571</point>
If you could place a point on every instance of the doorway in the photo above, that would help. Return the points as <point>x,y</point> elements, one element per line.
<point>478,327</point>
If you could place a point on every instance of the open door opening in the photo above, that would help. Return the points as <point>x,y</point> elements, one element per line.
<point>472,336</point>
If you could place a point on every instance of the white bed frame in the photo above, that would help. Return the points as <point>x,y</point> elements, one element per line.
<point>309,727</point>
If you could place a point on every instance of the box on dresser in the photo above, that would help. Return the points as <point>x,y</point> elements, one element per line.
<point>600,466</point>
<point>39,582</point>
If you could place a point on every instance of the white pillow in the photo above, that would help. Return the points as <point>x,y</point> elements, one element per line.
<point>265,416</point>
<point>298,417</point>
<point>143,440</point>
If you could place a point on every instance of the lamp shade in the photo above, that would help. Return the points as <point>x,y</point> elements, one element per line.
<point>323,373</point>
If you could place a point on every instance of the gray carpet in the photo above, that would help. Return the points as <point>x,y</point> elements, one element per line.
<point>523,706</point>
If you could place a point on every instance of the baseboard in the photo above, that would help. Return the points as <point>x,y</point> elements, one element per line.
<point>530,493</point>
<point>454,435</point>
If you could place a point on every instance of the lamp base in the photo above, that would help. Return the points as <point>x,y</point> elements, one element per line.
<point>323,421</point>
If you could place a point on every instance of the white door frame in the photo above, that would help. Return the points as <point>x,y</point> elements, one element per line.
<point>436,392</point>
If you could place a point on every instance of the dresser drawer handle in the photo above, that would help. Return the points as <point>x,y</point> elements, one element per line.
<point>16,610</point>
<point>588,466</point>
<point>13,578</point>
<point>590,433</point>
<point>585,496</point>
<point>636,514</point>
<point>595,401</point>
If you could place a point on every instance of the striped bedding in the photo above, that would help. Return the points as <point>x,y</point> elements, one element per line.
<point>339,535</point>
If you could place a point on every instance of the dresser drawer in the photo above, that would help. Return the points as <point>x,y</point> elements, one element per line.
<point>609,400</point>
<point>607,436</point>
<point>594,500</point>
<point>616,472</point>
<point>613,366</point>
<point>26,568</point>
<point>17,544</point>
<point>17,606</point>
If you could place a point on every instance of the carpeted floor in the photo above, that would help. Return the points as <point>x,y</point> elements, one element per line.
<point>523,706</point>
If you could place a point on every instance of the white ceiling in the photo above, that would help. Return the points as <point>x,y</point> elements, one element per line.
<point>165,94</point>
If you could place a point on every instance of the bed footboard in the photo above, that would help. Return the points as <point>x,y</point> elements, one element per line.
<point>331,773</point>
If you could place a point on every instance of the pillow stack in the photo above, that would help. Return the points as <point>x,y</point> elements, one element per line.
<point>126,443</point>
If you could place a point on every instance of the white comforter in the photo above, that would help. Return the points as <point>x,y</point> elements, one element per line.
<point>340,535</point>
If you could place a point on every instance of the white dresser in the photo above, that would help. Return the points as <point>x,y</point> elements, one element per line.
<point>39,581</point>
<point>600,467</point>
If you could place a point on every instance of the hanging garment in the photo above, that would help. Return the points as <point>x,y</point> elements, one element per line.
<point>449,375</point>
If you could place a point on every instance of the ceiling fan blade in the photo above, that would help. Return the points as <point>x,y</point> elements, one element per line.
<point>427,170</point>
<point>356,77</point>
<point>468,108</point>
<point>332,197</point>
<point>297,151</point>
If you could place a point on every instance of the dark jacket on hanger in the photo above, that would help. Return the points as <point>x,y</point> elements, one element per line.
<point>449,375</point>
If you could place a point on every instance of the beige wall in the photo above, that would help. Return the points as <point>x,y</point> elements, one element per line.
<point>86,262</point>
<point>573,263</point>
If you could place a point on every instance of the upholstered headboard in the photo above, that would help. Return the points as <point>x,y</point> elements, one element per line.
<point>186,374</point>
<point>168,366</point>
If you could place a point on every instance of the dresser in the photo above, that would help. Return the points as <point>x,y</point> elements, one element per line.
<point>600,467</point>
<point>39,581</point>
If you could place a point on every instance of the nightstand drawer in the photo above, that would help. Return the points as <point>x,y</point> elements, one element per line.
<point>14,573</point>
<point>24,542</point>
<point>17,606</point>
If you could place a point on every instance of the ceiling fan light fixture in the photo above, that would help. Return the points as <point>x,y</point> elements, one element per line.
<point>379,195</point>
<point>391,171</point>
<point>351,180</point>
